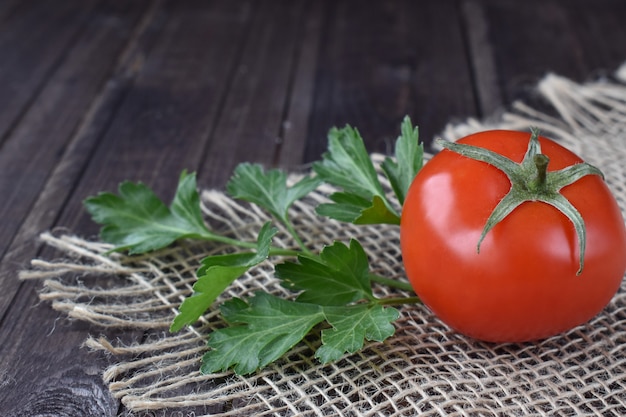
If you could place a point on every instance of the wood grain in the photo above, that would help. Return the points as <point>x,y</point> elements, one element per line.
<point>96,92</point>
<point>379,63</point>
<point>34,40</point>
<point>254,109</point>
<point>39,137</point>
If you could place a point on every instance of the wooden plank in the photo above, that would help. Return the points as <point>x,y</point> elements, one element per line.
<point>41,376</point>
<point>481,57</point>
<point>7,8</point>
<point>363,65</point>
<point>25,163</point>
<point>552,36</point>
<point>157,129</point>
<point>442,86</point>
<point>381,62</point>
<point>33,39</point>
<point>292,139</point>
<point>253,113</point>
<point>601,34</point>
<point>65,387</point>
<point>164,122</point>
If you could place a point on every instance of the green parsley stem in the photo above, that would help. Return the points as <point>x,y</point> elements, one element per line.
<point>274,251</point>
<point>295,236</point>
<point>401,285</point>
<point>399,301</point>
<point>228,241</point>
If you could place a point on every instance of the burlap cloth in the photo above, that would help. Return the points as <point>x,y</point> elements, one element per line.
<point>424,369</point>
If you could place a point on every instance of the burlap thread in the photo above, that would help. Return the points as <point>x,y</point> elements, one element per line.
<point>424,369</point>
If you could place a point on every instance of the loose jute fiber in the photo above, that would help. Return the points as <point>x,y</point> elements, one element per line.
<point>424,369</point>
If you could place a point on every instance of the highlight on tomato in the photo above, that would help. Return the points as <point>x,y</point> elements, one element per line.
<point>508,237</point>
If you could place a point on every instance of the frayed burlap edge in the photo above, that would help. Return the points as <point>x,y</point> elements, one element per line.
<point>424,369</point>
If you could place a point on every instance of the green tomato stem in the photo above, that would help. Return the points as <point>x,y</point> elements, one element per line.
<point>541,162</point>
<point>531,182</point>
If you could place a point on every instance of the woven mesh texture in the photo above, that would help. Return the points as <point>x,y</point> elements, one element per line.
<point>424,369</point>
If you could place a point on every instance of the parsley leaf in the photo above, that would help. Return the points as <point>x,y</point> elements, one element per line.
<point>351,208</point>
<point>268,189</point>
<point>347,165</point>
<point>216,274</point>
<point>338,276</point>
<point>139,221</point>
<point>266,327</point>
<point>262,330</point>
<point>351,326</point>
<point>334,286</point>
<point>409,155</point>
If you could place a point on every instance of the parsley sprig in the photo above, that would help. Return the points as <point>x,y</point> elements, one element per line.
<point>332,286</point>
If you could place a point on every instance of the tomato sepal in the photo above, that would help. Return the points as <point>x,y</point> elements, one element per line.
<point>531,181</point>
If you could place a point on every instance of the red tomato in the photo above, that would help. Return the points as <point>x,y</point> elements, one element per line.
<point>522,285</point>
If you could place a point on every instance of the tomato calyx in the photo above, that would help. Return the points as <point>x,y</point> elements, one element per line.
<point>531,181</point>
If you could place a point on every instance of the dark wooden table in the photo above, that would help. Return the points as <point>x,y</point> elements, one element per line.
<point>94,92</point>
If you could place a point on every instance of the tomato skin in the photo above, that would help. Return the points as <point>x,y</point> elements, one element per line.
<point>522,285</point>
